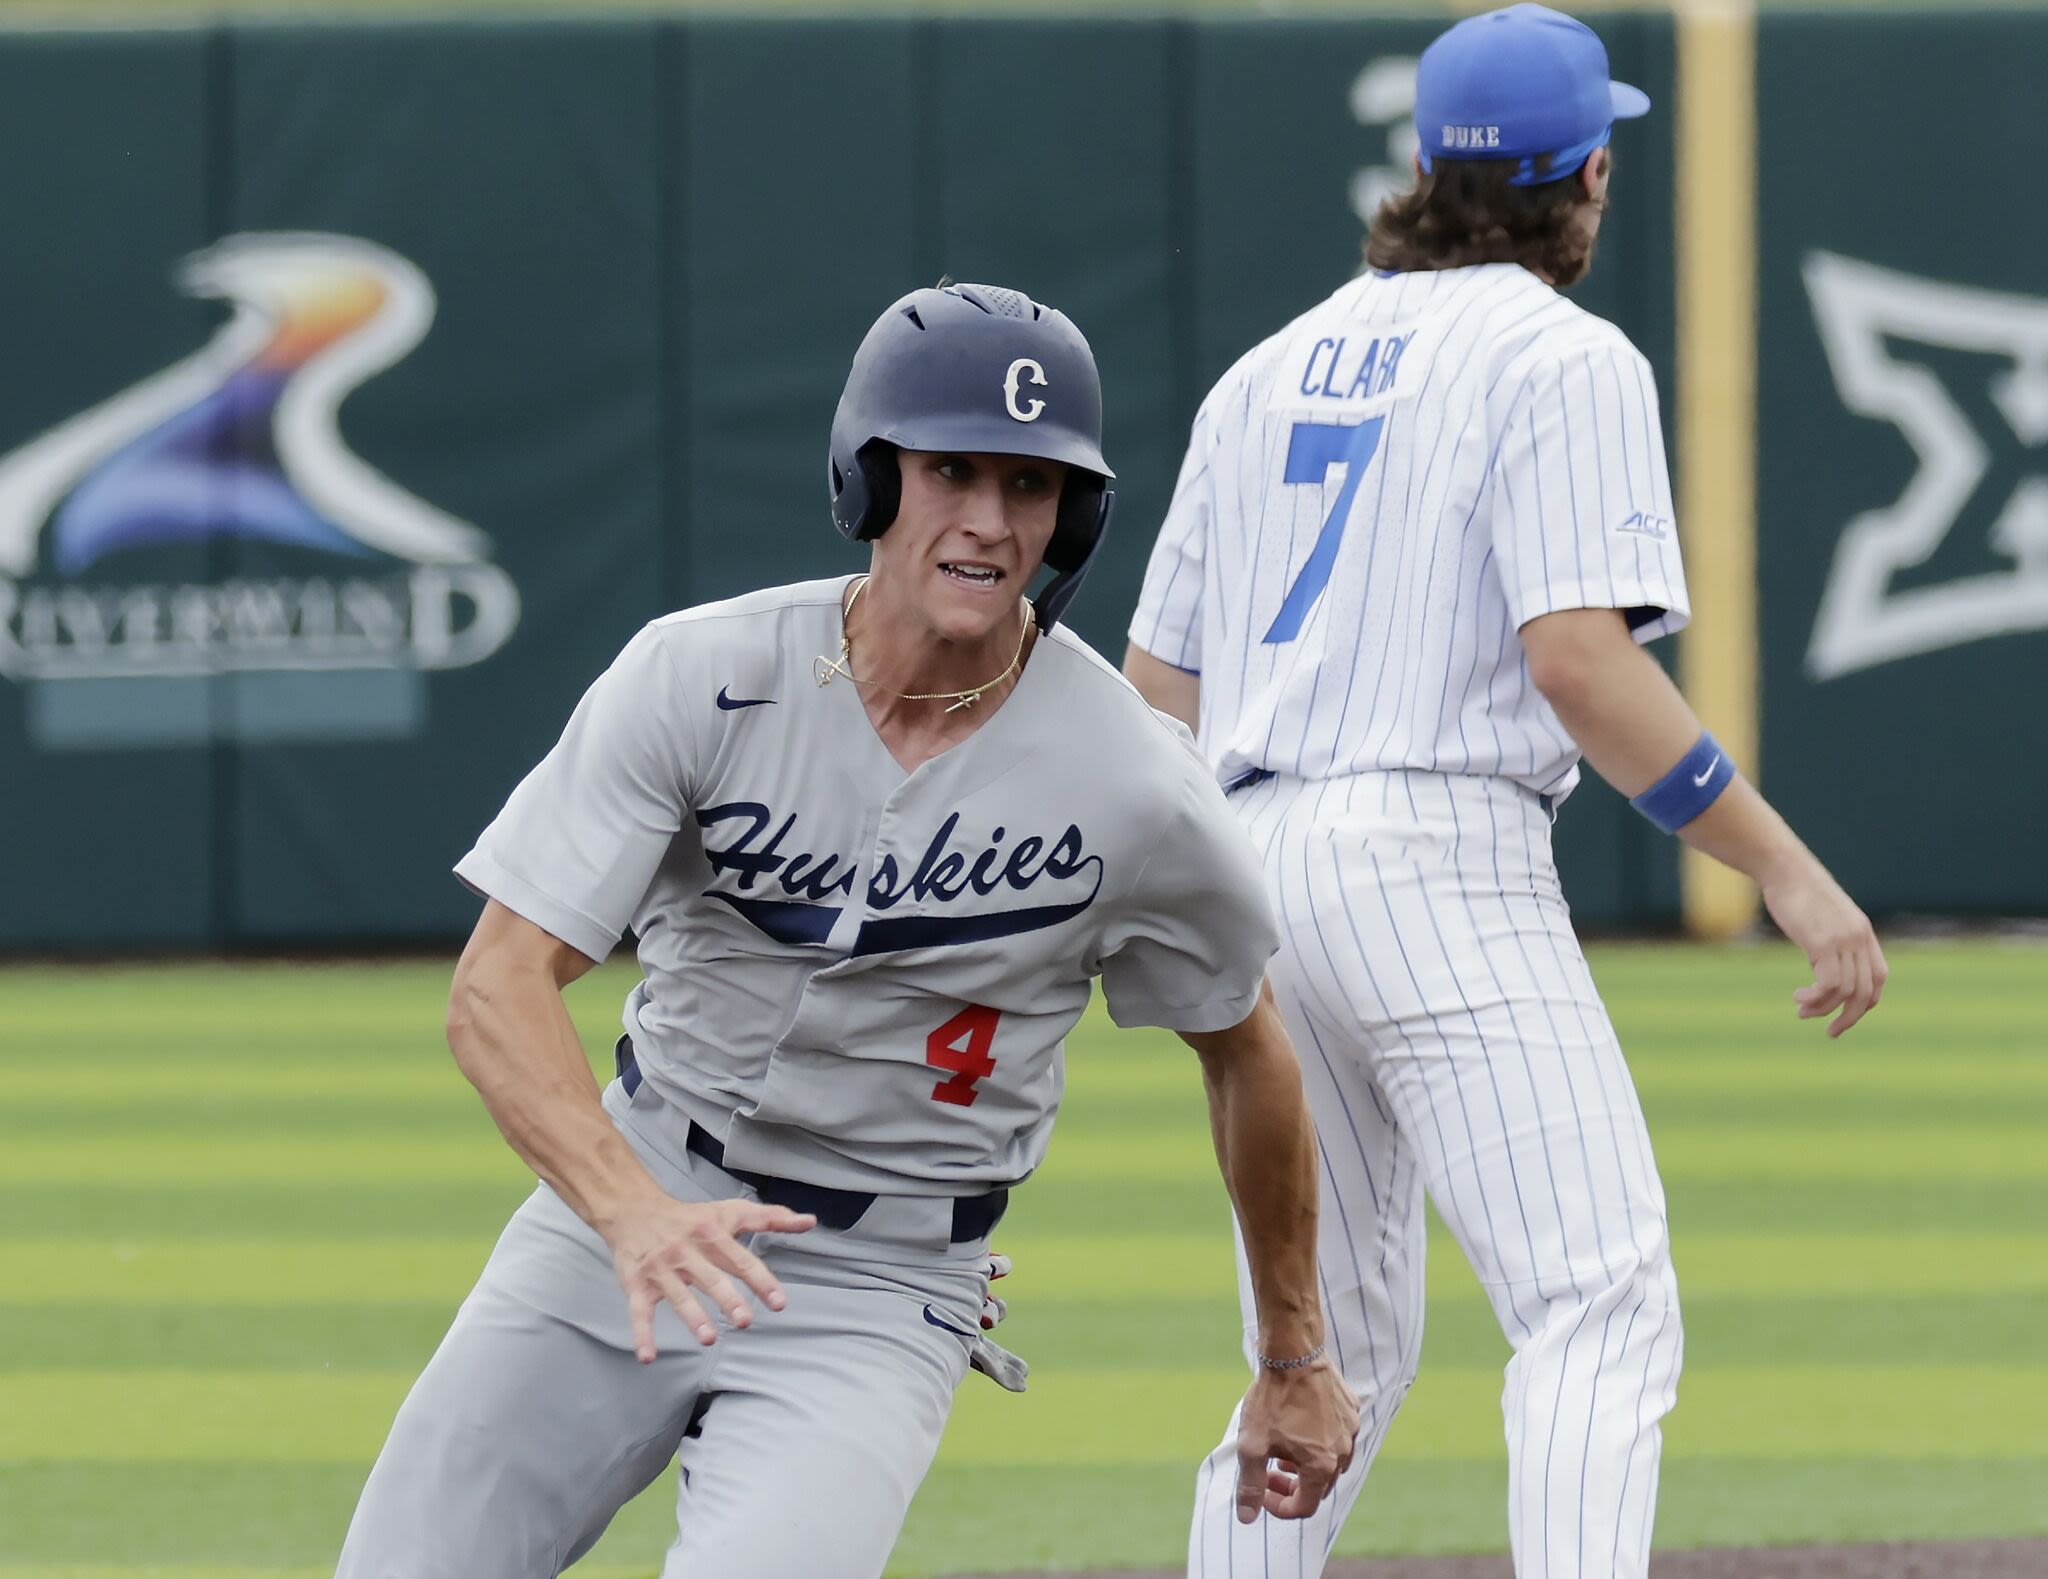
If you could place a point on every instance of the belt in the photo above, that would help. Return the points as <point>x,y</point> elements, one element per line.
<point>974,1216</point>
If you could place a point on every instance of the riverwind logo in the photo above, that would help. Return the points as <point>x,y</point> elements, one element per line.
<point>788,894</point>
<point>1962,373</point>
<point>239,443</point>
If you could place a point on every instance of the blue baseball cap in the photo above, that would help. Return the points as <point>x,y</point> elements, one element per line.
<point>1516,83</point>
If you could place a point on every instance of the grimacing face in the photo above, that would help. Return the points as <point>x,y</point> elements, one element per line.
<point>968,537</point>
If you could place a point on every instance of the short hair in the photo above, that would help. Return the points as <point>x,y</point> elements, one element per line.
<point>1465,211</point>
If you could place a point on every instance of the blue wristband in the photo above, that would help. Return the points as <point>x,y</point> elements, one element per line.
<point>1689,788</point>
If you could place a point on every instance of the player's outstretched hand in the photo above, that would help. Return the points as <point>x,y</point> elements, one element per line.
<point>663,1249</point>
<point>1295,1437</point>
<point>1848,965</point>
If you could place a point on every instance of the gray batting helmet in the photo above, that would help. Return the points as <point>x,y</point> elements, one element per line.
<point>975,369</point>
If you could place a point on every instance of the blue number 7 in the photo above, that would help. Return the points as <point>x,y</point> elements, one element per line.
<point>1312,449</point>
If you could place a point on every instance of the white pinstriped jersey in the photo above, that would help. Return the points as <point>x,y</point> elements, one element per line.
<point>1377,498</point>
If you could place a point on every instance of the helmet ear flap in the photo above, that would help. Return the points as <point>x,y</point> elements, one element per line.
<point>884,477</point>
<point>1079,523</point>
<point>867,490</point>
<point>850,497</point>
<point>1078,530</point>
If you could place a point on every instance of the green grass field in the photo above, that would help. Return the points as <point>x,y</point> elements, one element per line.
<point>238,1204</point>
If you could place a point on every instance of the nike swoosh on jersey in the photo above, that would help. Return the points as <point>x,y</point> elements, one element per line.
<point>733,703</point>
<point>947,1325</point>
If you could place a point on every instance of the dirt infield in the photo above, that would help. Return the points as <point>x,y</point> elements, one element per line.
<point>1945,1560</point>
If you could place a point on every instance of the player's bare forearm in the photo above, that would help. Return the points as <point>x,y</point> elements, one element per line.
<point>1173,691</point>
<point>1298,1426</point>
<point>1265,1144</point>
<point>512,1037</point>
<point>1633,725</point>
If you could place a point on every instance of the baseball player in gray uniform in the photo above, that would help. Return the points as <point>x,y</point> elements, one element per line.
<point>876,836</point>
<point>1419,538</point>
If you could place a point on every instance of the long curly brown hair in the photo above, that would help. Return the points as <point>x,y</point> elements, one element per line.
<point>1465,211</point>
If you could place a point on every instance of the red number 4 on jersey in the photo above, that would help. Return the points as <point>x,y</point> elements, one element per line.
<point>961,1045</point>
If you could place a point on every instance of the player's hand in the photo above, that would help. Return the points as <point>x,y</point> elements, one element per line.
<point>1849,971</point>
<point>1008,1371</point>
<point>670,1251</point>
<point>1295,1437</point>
<point>993,1309</point>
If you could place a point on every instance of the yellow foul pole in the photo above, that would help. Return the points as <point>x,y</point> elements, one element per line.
<point>1717,344</point>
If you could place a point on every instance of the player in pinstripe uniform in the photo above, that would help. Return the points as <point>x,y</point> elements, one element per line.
<point>1418,539</point>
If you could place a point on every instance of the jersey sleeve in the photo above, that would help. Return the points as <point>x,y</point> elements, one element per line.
<point>1582,511</point>
<point>1188,947</point>
<point>578,844</point>
<point>1168,621</point>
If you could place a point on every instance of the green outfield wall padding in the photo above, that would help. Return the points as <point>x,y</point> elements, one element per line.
<point>515,168</point>
<point>1903,454</point>
<point>791,175</point>
<point>1053,165</point>
<point>493,340</point>
<point>101,844</point>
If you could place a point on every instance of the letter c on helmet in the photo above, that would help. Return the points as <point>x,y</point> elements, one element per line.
<point>1030,373</point>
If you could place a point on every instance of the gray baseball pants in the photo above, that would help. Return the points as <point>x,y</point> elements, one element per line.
<point>801,1438</point>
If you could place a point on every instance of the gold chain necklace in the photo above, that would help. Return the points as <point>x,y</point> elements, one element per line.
<point>826,670</point>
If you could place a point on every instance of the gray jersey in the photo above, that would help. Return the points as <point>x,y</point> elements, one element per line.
<point>856,976</point>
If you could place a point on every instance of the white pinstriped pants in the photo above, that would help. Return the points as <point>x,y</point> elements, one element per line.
<point>1452,1041</point>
